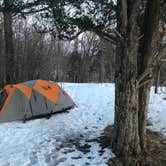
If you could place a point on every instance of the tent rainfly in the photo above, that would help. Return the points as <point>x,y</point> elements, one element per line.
<point>32,99</point>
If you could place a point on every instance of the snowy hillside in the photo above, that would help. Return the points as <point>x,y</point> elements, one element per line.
<point>69,139</point>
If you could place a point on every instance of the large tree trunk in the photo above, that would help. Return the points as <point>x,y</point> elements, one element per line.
<point>148,62</point>
<point>9,48</point>
<point>132,95</point>
<point>126,136</point>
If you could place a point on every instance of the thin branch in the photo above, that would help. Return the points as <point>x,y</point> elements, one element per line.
<point>144,83</point>
<point>31,4</point>
<point>144,75</point>
<point>34,11</point>
<point>118,34</point>
<point>162,60</point>
<point>72,37</point>
<point>140,37</point>
<point>156,54</point>
<point>109,37</point>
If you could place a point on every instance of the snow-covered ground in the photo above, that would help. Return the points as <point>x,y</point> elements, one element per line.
<point>157,113</point>
<point>70,139</point>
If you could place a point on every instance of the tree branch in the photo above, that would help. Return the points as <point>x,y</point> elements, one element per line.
<point>71,37</point>
<point>34,11</point>
<point>144,83</point>
<point>108,37</point>
<point>144,75</point>
<point>162,60</point>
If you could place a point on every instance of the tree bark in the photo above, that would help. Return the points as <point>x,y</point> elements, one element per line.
<point>131,100</point>
<point>126,133</point>
<point>9,48</point>
<point>2,60</point>
<point>157,77</point>
<point>148,62</point>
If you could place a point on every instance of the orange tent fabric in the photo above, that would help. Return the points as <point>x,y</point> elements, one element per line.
<point>47,89</point>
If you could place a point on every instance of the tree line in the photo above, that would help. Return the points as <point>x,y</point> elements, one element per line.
<point>39,55</point>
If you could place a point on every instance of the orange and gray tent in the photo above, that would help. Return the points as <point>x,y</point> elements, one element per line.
<point>32,99</point>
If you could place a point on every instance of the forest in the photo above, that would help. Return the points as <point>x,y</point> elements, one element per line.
<point>114,42</point>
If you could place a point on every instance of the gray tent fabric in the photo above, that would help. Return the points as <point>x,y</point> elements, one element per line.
<point>30,83</point>
<point>37,105</point>
<point>14,111</point>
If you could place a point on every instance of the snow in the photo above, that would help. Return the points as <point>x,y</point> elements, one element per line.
<point>70,138</point>
<point>157,114</point>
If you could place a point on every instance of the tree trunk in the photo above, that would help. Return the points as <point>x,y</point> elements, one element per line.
<point>131,100</point>
<point>9,48</point>
<point>148,62</point>
<point>126,130</point>
<point>2,60</point>
<point>157,77</point>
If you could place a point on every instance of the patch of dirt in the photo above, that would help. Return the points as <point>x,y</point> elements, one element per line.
<point>149,122</point>
<point>69,144</point>
<point>156,145</point>
<point>83,148</point>
<point>156,150</point>
<point>107,136</point>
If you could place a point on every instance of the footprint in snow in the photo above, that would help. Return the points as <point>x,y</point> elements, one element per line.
<point>78,157</point>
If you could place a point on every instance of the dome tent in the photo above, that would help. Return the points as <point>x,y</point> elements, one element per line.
<point>32,99</point>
